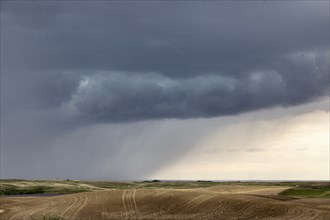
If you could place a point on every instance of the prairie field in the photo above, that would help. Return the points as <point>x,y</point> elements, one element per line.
<point>162,200</point>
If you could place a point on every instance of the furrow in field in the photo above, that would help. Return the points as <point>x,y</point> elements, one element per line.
<point>80,201</point>
<point>197,203</point>
<point>132,209</point>
<point>26,211</point>
<point>188,204</point>
<point>134,201</point>
<point>123,198</point>
<point>82,204</point>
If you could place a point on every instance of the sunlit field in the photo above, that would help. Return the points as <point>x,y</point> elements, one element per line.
<point>68,199</point>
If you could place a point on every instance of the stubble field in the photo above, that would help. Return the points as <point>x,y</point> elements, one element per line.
<point>147,201</point>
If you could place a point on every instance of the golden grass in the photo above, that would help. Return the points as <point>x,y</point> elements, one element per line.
<point>217,202</point>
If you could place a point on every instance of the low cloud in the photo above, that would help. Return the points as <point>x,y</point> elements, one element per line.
<point>120,97</point>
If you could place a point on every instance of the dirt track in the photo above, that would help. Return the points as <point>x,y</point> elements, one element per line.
<point>221,202</point>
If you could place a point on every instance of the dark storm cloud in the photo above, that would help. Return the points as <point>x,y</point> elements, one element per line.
<point>249,44</point>
<point>122,97</point>
<point>172,38</point>
<point>69,65</point>
<point>35,90</point>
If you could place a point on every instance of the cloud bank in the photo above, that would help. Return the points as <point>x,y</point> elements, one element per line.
<point>299,78</point>
<point>117,61</point>
<point>68,66</point>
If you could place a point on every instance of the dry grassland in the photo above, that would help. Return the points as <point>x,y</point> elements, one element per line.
<point>215,202</point>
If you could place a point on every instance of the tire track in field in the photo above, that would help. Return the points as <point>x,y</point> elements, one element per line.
<point>198,202</point>
<point>25,212</point>
<point>56,203</point>
<point>71,206</point>
<point>124,204</point>
<point>187,204</point>
<point>81,205</point>
<point>129,203</point>
<point>72,210</point>
<point>61,205</point>
<point>160,193</point>
<point>68,210</point>
<point>134,201</point>
<point>94,197</point>
<point>254,208</point>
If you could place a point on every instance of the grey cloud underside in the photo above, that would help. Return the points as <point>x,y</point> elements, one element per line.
<point>174,39</point>
<point>207,59</point>
<point>123,97</point>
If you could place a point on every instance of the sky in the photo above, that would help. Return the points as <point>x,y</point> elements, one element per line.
<point>134,90</point>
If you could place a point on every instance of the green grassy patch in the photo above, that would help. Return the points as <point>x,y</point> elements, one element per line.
<point>20,187</point>
<point>308,192</point>
<point>12,190</point>
<point>39,190</point>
